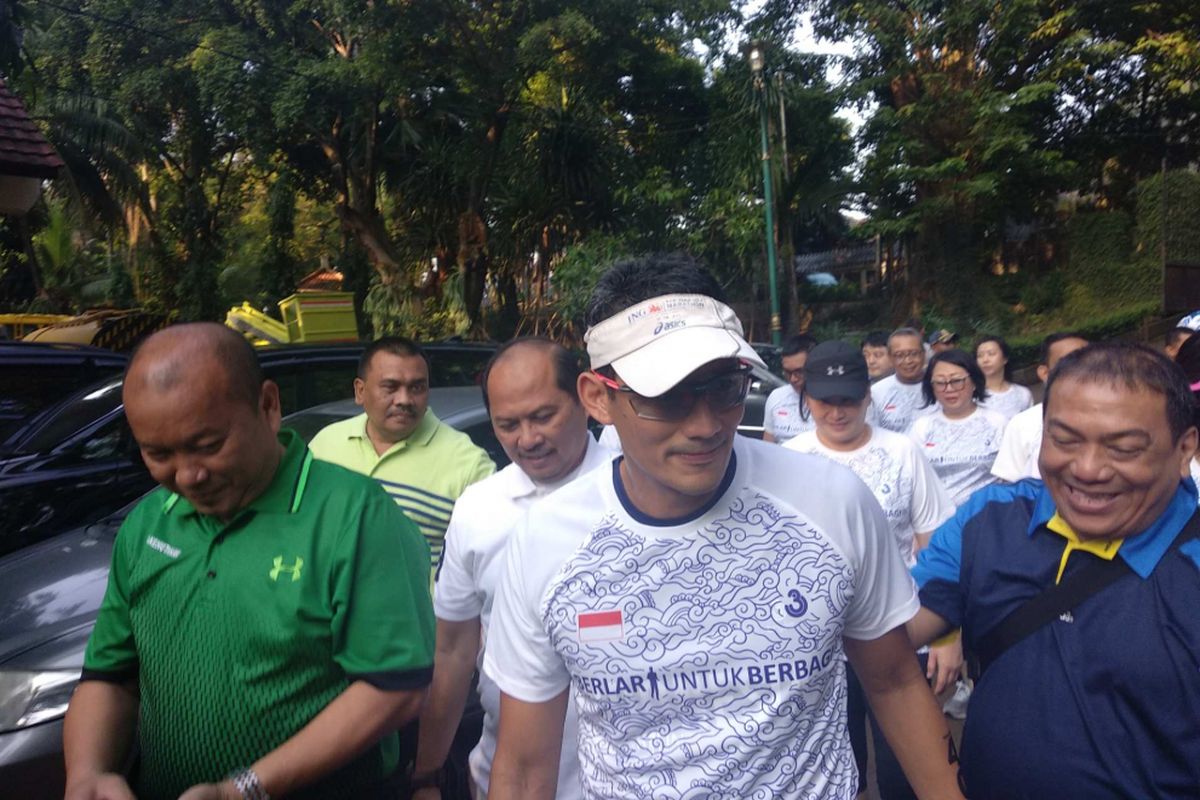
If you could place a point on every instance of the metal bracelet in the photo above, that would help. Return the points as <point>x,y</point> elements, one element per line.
<point>248,785</point>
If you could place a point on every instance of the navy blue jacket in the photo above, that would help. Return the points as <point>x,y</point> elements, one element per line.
<point>1101,703</point>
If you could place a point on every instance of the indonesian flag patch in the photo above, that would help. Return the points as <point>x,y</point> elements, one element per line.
<point>601,626</point>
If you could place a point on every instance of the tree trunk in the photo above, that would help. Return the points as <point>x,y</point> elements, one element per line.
<point>473,261</point>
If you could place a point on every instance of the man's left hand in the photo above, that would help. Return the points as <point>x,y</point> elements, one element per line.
<point>945,663</point>
<point>225,790</point>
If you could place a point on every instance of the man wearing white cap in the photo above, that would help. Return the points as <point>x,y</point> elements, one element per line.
<point>696,596</point>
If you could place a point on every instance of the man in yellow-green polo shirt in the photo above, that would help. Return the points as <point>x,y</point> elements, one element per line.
<point>423,464</point>
<point>266,627</point>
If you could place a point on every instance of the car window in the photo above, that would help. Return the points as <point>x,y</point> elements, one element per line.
<point>110,442</point>
<point>75,415</point>
<point>309,423</point>
<point>456,367</point>
<point>29,388</point>
<point>304,385</point>
<point>484,436</point>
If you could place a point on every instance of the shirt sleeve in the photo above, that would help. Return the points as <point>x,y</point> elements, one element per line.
<point>884,594</point>
<point>1012,457</point>
<point>483,467</point>
<point>1026,398</point>
<point>383,626</point>
<point>931,503</point>
<point>111,651</point>
<point>519,656</point>
<point>939,567</point>
<point>455,595</point>
<point>917,431</point>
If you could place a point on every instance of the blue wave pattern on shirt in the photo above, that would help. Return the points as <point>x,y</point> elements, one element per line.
<point>729,680</point>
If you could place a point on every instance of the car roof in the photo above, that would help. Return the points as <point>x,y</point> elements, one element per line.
<point>58,353</point>
<point>446,401</point>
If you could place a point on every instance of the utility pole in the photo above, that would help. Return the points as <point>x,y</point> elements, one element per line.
<point>756,67</point>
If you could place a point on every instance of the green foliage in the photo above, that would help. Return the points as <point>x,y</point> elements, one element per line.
<point>1098,240</point>
<point>1182,212</point>
<point>396,310</point>
<point>221,149</point>
<point>1045,293</point>
<point>1102,326</point>
<point>576,272</point>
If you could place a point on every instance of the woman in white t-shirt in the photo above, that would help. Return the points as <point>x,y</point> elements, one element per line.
<point>1004,396</point>
<point>960,439</point>
<point>838,391</point>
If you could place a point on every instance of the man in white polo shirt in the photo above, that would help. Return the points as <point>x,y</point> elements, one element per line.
<point>692,600</point>
<point>785,413</point>
<point>897,399</point>
<point>1021,443</point>
<point>529,388</point>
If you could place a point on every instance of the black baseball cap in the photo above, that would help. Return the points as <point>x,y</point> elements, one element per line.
<point>836,369</point>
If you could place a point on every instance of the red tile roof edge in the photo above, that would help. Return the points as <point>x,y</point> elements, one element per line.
<point>24,151</point>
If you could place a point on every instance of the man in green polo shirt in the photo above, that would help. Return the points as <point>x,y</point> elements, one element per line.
<point>266,627</point>
<point>423,464</point>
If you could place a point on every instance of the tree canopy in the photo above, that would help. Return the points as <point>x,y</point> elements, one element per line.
<point>468,165</point>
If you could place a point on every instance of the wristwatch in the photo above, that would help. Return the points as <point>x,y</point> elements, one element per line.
<point>248,785</point>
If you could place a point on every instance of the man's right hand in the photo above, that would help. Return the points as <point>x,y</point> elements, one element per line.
<point>106,786</point>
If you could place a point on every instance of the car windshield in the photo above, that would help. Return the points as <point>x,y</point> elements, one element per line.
<point>308,423</point>
<point>30,388</point>
<point>70,416</point>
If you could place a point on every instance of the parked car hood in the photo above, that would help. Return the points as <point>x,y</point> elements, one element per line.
<point>51,591</point>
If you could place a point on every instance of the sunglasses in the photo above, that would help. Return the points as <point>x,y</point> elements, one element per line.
<point>721,392</point>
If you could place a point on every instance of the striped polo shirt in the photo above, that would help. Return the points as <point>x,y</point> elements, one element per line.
<point>424,474</point>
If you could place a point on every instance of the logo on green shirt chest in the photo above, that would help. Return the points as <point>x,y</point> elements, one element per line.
<point>293,569</point>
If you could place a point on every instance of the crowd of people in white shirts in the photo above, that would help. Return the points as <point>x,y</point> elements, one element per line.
<point>923,424</point>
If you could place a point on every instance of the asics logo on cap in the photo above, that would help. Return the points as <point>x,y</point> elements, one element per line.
<point>671,325</point>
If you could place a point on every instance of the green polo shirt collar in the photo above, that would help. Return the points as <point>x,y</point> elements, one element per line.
<point>284,494</point>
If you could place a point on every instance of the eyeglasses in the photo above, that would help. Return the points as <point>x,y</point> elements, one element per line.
<point>907,355</point>
<point>950,383</point>
<point>721,392</point>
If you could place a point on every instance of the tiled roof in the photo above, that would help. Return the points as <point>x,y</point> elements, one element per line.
<point>321,280</point>
<point>23,149</point>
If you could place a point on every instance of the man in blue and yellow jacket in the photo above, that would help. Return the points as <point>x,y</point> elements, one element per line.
<point>1100,699</point>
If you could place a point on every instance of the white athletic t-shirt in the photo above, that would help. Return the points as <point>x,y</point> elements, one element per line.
<point>1020,447</point>
<point>610,440</point>
<point>483,520</point>
<point>898,404</point>
<point>1011,402</point>
<point>1194,466</point>
<point>782,417</point>
<point>897,473</point>
<point>705,653</point>
<point>961,451</point>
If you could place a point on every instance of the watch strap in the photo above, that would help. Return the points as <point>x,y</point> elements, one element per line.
<point>248,785</point>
